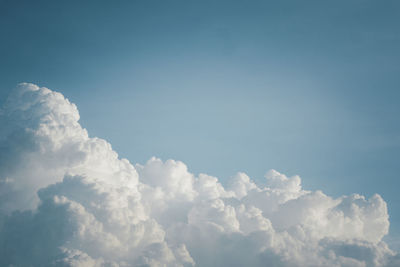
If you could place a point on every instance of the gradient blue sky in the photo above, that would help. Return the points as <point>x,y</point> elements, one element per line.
<point>304,87</point>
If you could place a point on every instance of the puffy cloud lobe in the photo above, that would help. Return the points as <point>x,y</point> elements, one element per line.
<point>66,199</point>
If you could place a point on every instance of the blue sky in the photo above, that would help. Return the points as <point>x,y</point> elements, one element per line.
<point>304,87</point>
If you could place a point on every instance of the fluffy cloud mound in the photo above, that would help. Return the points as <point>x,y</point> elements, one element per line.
<point>66,199</point>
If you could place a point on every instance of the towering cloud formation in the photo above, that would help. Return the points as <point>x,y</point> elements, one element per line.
<point>66,199</point>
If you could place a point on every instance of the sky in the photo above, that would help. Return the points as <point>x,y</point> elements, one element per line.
<point>308,88</point>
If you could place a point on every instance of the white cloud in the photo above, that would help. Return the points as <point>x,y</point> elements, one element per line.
<point>67,200</point>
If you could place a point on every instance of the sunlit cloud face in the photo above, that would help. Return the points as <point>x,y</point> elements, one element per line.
<point>67,199</point>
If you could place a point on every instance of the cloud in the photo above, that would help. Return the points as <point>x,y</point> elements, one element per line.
<point>66,199</point>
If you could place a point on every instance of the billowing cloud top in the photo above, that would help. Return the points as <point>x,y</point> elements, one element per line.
<point>66,199</point>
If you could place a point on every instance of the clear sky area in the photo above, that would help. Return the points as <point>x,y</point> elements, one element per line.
<point>307,88</point>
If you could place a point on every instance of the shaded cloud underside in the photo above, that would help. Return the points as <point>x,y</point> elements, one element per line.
<point>66,199</point>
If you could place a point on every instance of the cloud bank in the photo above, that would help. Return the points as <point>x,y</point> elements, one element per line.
<point>66,199</point>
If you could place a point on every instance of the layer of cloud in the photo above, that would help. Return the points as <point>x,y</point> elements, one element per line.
<point>66,199</point>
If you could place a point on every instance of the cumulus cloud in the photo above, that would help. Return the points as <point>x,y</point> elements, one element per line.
<point>66,199</point>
